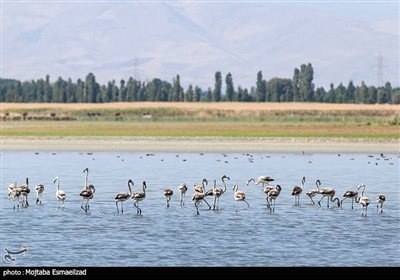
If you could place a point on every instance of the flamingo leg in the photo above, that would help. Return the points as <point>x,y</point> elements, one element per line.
<point>209,206</point>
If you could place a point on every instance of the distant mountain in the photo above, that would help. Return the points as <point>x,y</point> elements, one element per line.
<point>118,40</point>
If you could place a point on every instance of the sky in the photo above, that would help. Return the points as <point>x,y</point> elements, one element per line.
<point>35,40</point>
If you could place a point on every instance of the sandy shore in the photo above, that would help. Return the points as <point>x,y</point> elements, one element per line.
<point>166,144</point>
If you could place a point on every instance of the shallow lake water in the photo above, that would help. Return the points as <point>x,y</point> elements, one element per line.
<point>233,235</point>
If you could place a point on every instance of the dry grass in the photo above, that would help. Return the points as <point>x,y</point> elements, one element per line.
<point>236,106</point>
<point>226,119</point>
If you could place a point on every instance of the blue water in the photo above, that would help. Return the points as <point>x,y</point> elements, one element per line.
<point>305,235</point>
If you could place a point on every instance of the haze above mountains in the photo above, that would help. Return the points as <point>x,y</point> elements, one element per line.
<point>146,40</point>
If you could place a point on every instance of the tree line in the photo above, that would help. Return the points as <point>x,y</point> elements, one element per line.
<point>298,89</point>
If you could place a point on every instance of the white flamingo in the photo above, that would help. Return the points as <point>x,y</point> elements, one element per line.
<point>60,194</point>
<point>182,193</point>
<point>364,200</point>
<point>239,196</point>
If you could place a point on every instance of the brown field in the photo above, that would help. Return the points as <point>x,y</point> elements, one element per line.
<point>203,105</point>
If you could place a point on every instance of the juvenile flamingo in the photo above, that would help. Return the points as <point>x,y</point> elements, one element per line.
<point>182,193</point>
<point>122,196</point>
<point>14,193</point>
<point>39,188</point>
<point>239,196</point>
<point>272,196</point>
<point>352,195</point>
<point>297,190</point>
<point>168,194</point>
<point>201,189</point>
<point>139,196</point>
<point>25,192</point>
<point>329,193</point>
<point>87,192</point>
<point>380,199</point>
<point>313,192</point>
<point>217,192</point>
<point>198,197</point>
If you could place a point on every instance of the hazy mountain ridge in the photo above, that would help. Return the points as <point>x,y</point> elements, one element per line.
<point>194,40</point>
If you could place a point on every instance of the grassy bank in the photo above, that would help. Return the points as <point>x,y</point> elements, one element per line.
<point>202,119</point>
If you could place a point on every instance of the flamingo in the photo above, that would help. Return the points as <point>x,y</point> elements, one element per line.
<point>39,188</point>
<point>14,193</point>
<point>261,180</point>
<point>11,188</point>
<point>329,193</point>
<point>272,196</point>
<point>87,192</point>
<point>380,199</point>
<point>201,189</point>
<point>182,191</point>
<point>239,196</point>
<point>313,192</point>
<point>363,201</point>
<point>217,192</point>
<point>122,196</point>
<point>352,195</point>
<point>60,194</point>
<point>139,196</point>
<point>25,192</point>
<point>198,197</point>
<point>168,194</point>
<point>297,190</point>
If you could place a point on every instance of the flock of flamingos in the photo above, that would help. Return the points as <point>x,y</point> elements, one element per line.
<point>200,194</point>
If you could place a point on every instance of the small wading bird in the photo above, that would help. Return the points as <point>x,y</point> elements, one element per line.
<point>122,196</point>
<point>380,199</point>
<point>60,194</point>
<point>239,196</point>
<point>39,188</point>
<point>87,192</point>
<point>297,190</point>
<point>168,194</point>
<point>139,196</point>
<point>182,192</point>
